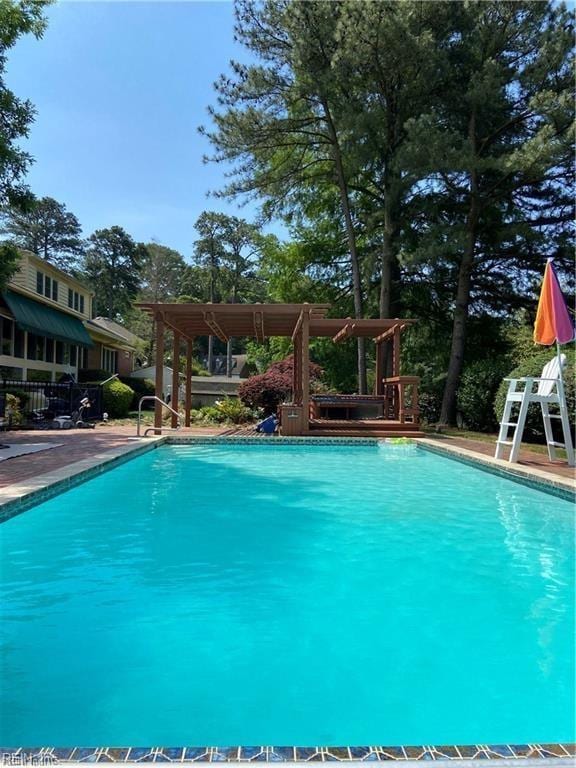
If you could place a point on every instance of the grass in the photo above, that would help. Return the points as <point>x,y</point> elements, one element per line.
<point>486,437</point>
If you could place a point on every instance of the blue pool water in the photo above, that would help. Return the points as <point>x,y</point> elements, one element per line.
<point>288,595</point>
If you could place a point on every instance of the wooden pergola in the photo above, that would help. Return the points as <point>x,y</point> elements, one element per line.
<point>300,322</point>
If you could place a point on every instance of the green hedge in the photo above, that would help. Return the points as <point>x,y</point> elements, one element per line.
<point>141,387</point>
<point>534,430</point>
<point>93,375</point>
<point>478,387</point>
<point>117,399</point>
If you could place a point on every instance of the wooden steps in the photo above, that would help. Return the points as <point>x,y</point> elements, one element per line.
<point>363,428</point>
<point>364,433</point>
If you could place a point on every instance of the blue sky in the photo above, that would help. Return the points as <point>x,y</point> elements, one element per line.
<point>120,89</point>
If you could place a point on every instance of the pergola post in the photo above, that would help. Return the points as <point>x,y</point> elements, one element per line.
<point>188,402</point>
<point>396,352</point>
<point>297,370</point>
<point>159,383</point>
<point>174,400</point>
<point>305,356</point>
<point>379,374</point>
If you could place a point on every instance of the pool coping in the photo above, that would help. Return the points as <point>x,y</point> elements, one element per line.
<point>539,478</point>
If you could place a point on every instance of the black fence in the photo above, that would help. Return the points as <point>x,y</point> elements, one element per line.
<point>40,402</point>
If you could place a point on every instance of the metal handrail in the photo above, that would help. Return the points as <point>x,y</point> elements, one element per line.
<point>159,400</point>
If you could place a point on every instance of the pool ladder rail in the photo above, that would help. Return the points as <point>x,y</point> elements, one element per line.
<point>155,429</point>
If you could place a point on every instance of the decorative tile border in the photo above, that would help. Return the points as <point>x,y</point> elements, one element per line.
<point>535,478</point>
<point>52,756</point>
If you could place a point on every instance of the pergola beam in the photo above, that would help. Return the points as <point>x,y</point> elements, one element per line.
<point>344,333</point>
<point>389,333</point>
<point>215,327</point>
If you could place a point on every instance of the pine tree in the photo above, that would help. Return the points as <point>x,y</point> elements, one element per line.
<point>47,229</point>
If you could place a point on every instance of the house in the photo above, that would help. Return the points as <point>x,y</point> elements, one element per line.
<point>114,347</point>
<point>47,330</point>
<point>150,373</point>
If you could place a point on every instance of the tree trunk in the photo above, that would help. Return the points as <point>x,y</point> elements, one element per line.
<point>448,410</point>
<point>210,364</point>
<point>229,359</point>
<point>351,236</point>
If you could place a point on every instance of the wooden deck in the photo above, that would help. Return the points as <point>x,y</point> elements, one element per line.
<point>363,428</point>
<point>342,428</point>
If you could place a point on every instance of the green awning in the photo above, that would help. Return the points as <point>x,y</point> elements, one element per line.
<point>36,317</point>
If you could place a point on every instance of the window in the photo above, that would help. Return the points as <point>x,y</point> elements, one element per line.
<point>109,360</point>
<point>6,334</point>
<point>59,353</point>
<point>48,287</point>
<point>73,354</point>
<point>35,347</point>
<point>75,301</point>
<point>49,350</point>
<point>19,341</point>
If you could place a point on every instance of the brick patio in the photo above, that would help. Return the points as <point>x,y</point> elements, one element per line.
<point>77,444</point>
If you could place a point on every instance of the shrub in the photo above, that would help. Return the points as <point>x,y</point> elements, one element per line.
<point>232,409</point>
<point>12,411</point>
<point>93,375</point>
<point>142,388</point>
<point>286,367</point>
<point>22,396</point>
<point>534,429</point>
<point>478,386</point>
<point>266,391</point>
<point>117,399</point>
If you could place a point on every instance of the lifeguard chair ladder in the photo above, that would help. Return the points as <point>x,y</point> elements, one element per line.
<point>550,391</point>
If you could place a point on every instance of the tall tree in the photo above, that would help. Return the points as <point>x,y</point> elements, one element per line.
<point>162,273</point>
<point>162,276</point>
<point>47,229</point>
<point>498,152</point>
<point>112,266</point>
<point>9,260</point>
<point>16,19</point>
<point>279,121</point>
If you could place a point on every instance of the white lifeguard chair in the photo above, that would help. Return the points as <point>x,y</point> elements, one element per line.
<point>550,391</point>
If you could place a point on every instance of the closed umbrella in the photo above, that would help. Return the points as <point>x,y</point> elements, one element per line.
<point>553,321</point>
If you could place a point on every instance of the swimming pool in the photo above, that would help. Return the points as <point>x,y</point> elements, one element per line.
<point>295,594</point>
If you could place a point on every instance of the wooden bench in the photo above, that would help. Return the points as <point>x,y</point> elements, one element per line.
<point>345,403</point>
